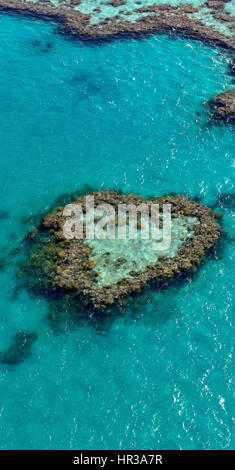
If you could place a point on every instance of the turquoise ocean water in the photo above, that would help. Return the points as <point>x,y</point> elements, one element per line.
<point>129,115</point>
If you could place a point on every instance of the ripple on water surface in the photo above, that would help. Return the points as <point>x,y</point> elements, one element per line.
<point>160,375</point>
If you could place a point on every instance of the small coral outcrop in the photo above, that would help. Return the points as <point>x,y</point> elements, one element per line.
<point>20,349</point>
<point>222,106</point>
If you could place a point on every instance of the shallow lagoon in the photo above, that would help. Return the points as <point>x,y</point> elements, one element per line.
<point>117,259</point>
<point>126,115</point>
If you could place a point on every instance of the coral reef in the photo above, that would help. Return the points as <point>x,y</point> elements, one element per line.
<point>20,349</point>
<point>222,106</point>
<point>68,269</point>
<point>162,18</point>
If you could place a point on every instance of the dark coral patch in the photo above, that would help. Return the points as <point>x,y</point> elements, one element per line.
<point>3,263</point>
<point>222,106</point>
<point>4,215</point>
<point>20,349</point>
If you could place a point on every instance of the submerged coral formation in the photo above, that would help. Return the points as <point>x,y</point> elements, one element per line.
<point>222,106</point>
<point>207,21</point>
<point>2,263</point>
<point>232,66</point>
<point>20,349</point>
<point>101,272</point>
<point>4,215</point>
<point>226,200</point>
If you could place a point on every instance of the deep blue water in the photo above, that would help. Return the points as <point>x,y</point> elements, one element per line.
<point>129,115</point>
